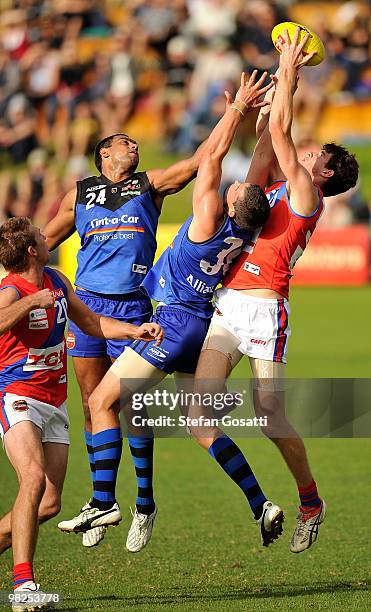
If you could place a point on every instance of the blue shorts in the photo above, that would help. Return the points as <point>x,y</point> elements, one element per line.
<point>133,308</point>
<point>184,337</point>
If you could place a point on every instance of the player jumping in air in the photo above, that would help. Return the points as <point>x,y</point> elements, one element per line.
<point>252,310</point>
<point>34,304</point>
<point>183,280</point>
<point>116,216</point>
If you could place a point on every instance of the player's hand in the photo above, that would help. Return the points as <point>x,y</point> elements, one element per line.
<point>43,299</point>
<point>228,99</point>
<point>149,332</point>
<point>251,91</point>
<point>292,51</point>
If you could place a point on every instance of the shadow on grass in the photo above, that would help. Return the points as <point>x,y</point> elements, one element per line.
<point>251,594</point>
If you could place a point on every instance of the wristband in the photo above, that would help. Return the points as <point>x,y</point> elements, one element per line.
<point>234,105</point>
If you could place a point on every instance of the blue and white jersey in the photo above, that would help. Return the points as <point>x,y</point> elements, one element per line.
<point>117,225</point>
<point>187,273</point>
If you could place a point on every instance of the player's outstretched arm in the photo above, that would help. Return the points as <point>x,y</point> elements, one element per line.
<point>303,194</point>
<point>13,309</point>
<point>165,181</point>
<point>106,327</point>
<point>207,203</point>
<point>63,225</point>
<point>174,178</point>
<point>264,167</point>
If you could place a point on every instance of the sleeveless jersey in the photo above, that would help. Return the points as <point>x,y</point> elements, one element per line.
<point>268,262</point>
<point>33,354</point>
<point>117,225</point>
<point>187,273</point>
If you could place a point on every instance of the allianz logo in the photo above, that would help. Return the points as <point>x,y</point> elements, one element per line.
<point>157,352</point>
<point>114,220</point>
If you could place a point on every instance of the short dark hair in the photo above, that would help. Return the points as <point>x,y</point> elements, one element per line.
<point>16,235</point>
<point>252,208</point>
<point>345,167</point>
<point>102,144</point>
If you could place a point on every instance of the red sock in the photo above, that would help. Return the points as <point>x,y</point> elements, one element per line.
<point>22,572</point>
<point>309,499</point>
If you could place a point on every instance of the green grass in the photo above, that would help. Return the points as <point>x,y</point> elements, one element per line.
<point>205,552</point>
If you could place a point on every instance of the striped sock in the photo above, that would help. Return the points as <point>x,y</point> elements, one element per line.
<point>89,447</point>
<point>22,572</point>
<point>107,446</point>
<point>142,452</point>
<point>309,497</point>
<point>230,458</point>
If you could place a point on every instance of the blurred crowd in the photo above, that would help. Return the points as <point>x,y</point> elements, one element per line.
<point>74,71</point>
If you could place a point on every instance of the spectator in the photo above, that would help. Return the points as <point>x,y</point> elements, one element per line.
<point>9,78</point>
<point>65,81</point>
<point>17,130</point>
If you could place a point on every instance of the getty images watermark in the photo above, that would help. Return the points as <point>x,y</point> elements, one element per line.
<point>248,408</point>
<point>185,401</point>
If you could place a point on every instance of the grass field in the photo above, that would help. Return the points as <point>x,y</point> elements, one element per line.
<point>205,552</point>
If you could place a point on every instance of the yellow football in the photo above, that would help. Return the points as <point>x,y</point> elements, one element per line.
<point>314,43</point>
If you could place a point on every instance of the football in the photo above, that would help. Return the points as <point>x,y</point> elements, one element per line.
<point>314,43</point>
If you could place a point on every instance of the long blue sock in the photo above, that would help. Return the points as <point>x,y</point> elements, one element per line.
<point>231,459</point>
<point>107,446</point>
<point>89,447</point>
<point>142,452</point>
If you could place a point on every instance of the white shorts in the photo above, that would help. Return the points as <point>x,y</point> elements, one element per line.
<point>259,325</point>
<point>53,422</point>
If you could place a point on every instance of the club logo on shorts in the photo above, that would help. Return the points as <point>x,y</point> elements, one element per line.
<point>20,406</point>
<point>70,340</point>
<point>139,268</point>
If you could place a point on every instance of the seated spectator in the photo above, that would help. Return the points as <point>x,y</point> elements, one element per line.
<point>174,93</point>
<point>9,78</point>
<point>17,129</point>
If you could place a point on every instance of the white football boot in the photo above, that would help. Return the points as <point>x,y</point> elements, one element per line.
<point>140,530</point>
<point>307,528</point>
<point>94,536</point>
<point>32,598</point>
<point>270,522</point>
<point>92,517</point>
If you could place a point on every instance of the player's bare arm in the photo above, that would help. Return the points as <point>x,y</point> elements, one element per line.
<point>13,309</point>
<point>264,168</point>
<point>303,194</point>
<point>174,178</point>
<point>62,226</point>
<point>166,181</point>
<point>207,203</point>
<point>106,327</point>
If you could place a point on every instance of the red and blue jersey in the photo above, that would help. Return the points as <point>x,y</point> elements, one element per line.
<point>267,263</point>
<point>33,361</point>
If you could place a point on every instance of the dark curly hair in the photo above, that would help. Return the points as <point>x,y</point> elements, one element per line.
<point>16,235</point>
<point>345,167</point>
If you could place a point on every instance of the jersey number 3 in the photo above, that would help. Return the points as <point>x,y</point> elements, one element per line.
<point>224,257</point>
